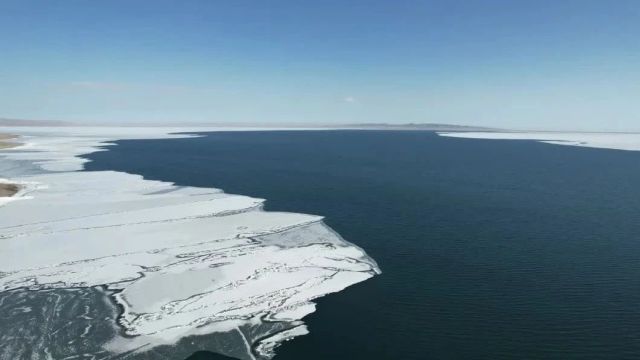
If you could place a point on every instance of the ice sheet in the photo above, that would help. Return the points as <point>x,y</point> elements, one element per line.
<point>617,141</point>
<point>178,260</point>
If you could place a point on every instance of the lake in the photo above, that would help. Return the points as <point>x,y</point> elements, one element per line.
<point>489,249</point>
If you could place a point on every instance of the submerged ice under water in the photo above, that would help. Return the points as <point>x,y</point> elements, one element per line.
<point>187,268</point>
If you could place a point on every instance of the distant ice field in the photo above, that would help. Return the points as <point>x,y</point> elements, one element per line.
<point>617,141</point>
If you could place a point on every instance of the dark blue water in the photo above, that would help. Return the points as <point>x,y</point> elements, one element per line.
<point>489,249</point>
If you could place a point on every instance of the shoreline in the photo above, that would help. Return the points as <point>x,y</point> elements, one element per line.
<point>6,141</point>
<point>8,189</point>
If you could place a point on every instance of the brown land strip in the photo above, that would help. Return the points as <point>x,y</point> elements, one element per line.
<point>5,141</point>
<point>7,190</point>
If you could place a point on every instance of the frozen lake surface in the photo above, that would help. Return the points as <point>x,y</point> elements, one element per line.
<point>176,262</point>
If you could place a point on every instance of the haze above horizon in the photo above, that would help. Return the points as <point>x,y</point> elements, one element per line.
<point>556,65</point>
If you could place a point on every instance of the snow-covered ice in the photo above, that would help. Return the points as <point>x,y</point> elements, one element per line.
<point>617,141</point>
<point>178,260</point>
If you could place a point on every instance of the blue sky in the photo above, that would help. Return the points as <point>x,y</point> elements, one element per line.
<point>541,64</point>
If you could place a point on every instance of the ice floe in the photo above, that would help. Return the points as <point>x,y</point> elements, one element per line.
<point>179,261</point>
<point>617,141</point>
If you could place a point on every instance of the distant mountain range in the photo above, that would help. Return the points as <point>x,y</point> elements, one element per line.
<point>18,122</point>
<point>369,126</point>
<point>419,126</point>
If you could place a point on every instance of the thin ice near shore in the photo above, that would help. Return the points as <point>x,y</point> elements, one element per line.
<point>179,261</point>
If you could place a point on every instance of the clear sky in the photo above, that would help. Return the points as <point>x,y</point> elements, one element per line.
<point>544,64</point>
